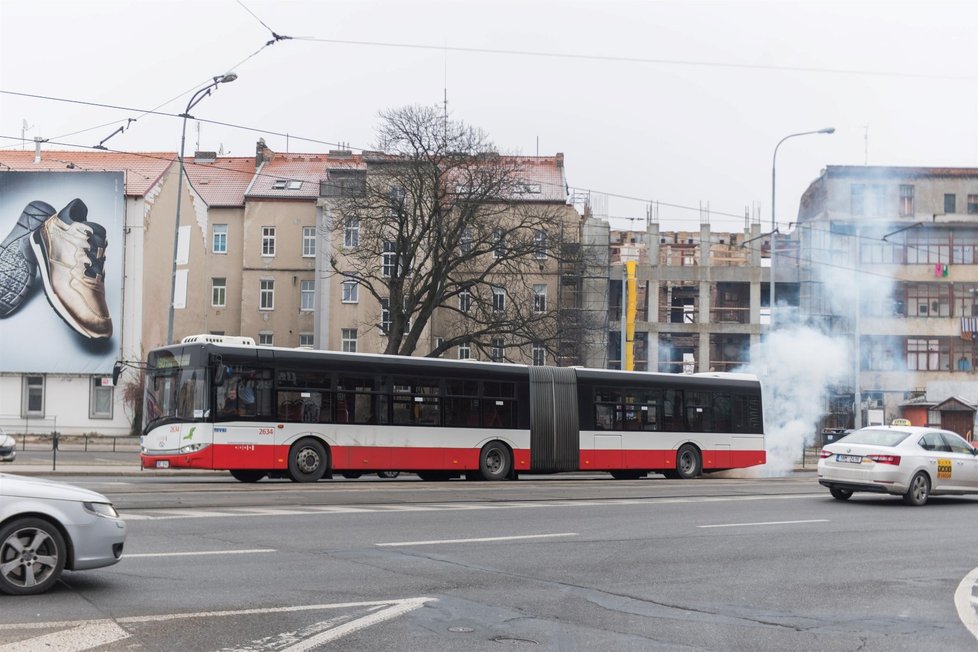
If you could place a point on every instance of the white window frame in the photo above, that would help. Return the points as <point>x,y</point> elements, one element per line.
<point>219,292</point>
<point>498,243</point>
<point>540,244</point>
<point>388,259</point>
<point>219,239</point>
<point>498,299</point>
<point>307,295</point>
<point>539,298</point>
<point>268,241</point>
<point>308,242</point>
<point>348,340</point>
<point>464,301</point>
<point>307,340</point>
<point>385,315</point>
<point>33,384</point>
<point>266,338</point>
<point>464,351</point>
<point>351,233</point>
<point>539,354</point>
<point>102,398</point>
<point>497,349</point>
<point>351,291</point>
<point>266,294</point>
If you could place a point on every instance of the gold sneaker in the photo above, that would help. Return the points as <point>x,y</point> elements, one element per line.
<point>70,254</point>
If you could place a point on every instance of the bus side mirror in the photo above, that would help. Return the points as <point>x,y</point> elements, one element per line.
<point>116,371</point>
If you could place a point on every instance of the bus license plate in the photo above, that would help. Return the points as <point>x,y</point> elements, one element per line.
<point>849,459</point>
<point>162,464</point>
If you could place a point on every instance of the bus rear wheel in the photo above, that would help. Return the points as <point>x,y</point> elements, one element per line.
<point>495,461</point>
<point>247,475</point>
<point>307,461</point>
<point>688,462</point>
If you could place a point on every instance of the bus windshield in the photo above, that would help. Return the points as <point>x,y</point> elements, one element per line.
<point>174,392</point>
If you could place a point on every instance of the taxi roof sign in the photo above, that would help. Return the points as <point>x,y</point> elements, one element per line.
<point>900,422</point>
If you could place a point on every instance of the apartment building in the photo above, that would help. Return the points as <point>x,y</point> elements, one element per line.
<point>889,261</point>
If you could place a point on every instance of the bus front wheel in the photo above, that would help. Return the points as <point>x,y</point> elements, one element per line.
<point>307,461</point>
<point>688,462</point>
<point>495,461</point>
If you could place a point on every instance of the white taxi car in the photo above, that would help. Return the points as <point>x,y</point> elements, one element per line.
<point>909,461</point>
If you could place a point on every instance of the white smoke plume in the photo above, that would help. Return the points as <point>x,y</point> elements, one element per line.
<point>796,365</point>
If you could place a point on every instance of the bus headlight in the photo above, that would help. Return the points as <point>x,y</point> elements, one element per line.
<point>192,448</point>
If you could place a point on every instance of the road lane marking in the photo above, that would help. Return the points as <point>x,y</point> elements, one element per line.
<point>814,520</point>
<point>86,636</point>
<point>198,553</point>
<point>966,602</point>
<point>479,540</point>
<point>149,514</point>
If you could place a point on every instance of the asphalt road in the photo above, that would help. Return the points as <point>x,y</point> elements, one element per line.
<point>549,563</point>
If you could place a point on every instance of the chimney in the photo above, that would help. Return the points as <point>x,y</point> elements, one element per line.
<point>560,159</point>
<point>37,149</point>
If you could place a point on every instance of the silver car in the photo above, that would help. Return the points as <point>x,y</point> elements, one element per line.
<point>47,527</point>
<point>8,447</point>
<point>908,461</point>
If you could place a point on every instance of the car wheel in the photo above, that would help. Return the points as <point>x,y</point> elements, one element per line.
<point>307,461</point>
<point>495,461</point>
<point>688,462</point>
<point>840,494</point>
<point>351,475</point>
<point>388,474</point>
<point>32,556</point>
<point>918,491</point>
<point>247,475</point>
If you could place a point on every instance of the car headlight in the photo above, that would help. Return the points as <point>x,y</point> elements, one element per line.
<point>101,509</point>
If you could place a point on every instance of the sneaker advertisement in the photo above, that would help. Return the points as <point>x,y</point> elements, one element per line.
<point>61,266</point>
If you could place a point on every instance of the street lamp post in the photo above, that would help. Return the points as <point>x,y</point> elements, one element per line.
<point>197,97</point>
<point>774,227</point>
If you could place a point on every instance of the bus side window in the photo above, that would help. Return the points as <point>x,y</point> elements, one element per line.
<point>672,411</point>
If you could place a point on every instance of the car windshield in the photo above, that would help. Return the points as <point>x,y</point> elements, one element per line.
<point>875,437</point>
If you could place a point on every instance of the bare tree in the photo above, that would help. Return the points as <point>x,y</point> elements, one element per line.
<point>444,230</point>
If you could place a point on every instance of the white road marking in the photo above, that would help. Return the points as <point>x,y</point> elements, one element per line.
<point>246,512</point>
<point>79,635</point>
<point>196,554</point>
<point>479,540</point>
<point>86,636</point>
<point>966,602</point>
<point>814,520</point>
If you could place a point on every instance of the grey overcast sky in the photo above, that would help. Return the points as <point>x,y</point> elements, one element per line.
<point>679,102</point>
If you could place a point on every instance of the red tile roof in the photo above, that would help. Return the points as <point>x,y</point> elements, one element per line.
<point>142,170</point>
<point>221,181</point>
<point>304,170</point>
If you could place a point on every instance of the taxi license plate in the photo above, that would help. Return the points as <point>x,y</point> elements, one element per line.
<point>849,459</point>
<point>162,464</point>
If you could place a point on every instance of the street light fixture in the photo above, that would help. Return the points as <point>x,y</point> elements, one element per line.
<point>774,227</point>
<point>194,100</point>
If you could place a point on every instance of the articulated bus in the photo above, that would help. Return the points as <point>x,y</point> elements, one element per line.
<point>214,402</point>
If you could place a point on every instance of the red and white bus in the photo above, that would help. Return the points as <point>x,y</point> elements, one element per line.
<point>216,402</point>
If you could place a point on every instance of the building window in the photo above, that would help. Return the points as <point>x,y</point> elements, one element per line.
<point>496,349</point>
<point>308,242</point>
<point>906,201</point>
<point>351,233</point>
<point>33,393</point>
<point>307,295</point>
<point>465,243</point>
<point>540,245</point>
<point>385,315</point>
<point>306,340</point>
<point>100,402</point>
<point>950,203</point>
<point>539,355</point>
<point>464,300</point>
<point>498,299</point>
<point>928,300</point>
<point>348,340</point>
<point>266,294</point>
<point>219,243</point>
<point>540,298</point>
<point>923,354</point>
<point>972,204</point>
<point>278,184</point>
<point>351,292</point>
<point>265,338</point>
<point>295,184</point>
<point>498,243</point>
<point>396,195</point>
<point>268,241</point>
<point>388,259</point>
<point>439,341</point>
<point>219,292</point>
<point>464,352</point>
